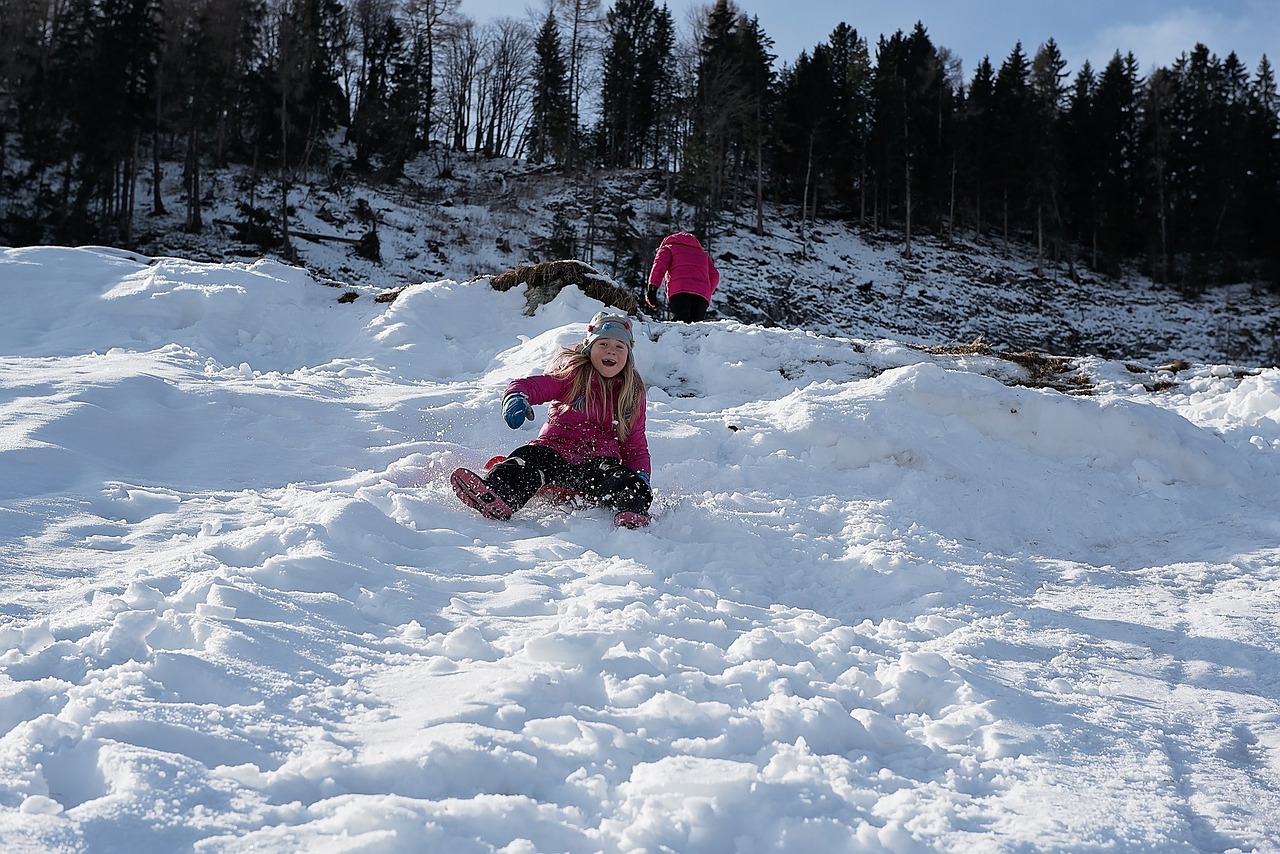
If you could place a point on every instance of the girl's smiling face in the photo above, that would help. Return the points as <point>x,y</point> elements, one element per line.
<point>609,356</point>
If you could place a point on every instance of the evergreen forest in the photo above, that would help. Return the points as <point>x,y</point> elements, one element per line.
<point>1174,169</point>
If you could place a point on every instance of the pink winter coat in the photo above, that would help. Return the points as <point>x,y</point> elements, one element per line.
<point>688,269</point>
<point>577,435</point>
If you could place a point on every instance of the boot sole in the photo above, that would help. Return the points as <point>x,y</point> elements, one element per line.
<point>473,492</point>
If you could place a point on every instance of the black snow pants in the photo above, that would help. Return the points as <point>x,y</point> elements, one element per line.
<point>602,480</point>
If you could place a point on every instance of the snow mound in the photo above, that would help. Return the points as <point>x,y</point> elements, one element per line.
<point>892,601</point>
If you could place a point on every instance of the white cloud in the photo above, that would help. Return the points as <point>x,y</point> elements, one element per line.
<point>1177,31</point>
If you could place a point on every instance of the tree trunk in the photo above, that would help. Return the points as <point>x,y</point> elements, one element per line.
<point>285,245</point>
<point>951,205</point>
<point>1164,227</point>
<point>862,193</point>
<point>194,224</point>
<point>906,250</point>
<point>1039,241</point>
<point>157,195</point>
<point>1006,220</point>
<point>759,175</point>
<point>804,205</point>
<point>129,191</point>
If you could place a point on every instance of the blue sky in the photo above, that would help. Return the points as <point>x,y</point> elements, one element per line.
<point>1155,31</point>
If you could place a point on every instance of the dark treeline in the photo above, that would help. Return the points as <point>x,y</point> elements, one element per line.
<point>1177,168</point>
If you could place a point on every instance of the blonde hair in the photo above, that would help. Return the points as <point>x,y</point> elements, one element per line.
<point>587,385</point>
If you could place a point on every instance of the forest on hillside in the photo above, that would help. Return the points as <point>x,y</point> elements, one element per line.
<point>1176,170</point>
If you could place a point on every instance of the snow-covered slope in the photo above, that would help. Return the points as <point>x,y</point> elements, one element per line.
<point>892,601</point>
<point>458,217</point>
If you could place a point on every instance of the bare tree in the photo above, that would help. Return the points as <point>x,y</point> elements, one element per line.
<point>458,79</point>
<point>430,23</point>
<point>583,30</point>
<point>504,85</point>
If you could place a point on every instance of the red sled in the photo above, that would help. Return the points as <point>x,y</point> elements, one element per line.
<point>550,493</point>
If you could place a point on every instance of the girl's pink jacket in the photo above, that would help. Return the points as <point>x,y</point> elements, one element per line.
<point>577,435</point>
<point>687,267</point>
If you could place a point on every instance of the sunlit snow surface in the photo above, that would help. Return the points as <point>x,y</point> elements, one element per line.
<point>891,601</point>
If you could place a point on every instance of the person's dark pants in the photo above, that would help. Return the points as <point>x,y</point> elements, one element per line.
<point>603,480</point>
<point>688,308</point>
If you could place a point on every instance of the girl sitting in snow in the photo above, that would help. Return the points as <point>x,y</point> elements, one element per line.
<point>594,441</point>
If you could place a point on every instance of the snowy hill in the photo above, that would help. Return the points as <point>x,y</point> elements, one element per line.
<point>458,217</point>
<point>893,601</point>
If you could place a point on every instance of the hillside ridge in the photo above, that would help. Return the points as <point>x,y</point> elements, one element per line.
<point>460,217</point>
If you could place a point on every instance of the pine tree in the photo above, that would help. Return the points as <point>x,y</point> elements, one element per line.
<point>635,88</point>
<point>1263,193</point>
<point>1013,105</point>
<point>890,126</point>
<point>755,116</point>
<point>730,113</point>
<point>850,117</point>
<point>804,133</point>
<point>979,135</point>
<point>1239,166</point>
<point>102,79</point>
<point>380,44</point>
<point>909,136</point>
<point>929,107</point>
<point>1048,99</point>
<point>1081,165</point>
<point>410,98</point>
<point>1116,114</point>
<point>550,115</point>
<point>716,104</point>
<point>662,103</point>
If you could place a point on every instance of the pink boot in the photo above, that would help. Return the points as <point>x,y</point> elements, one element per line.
<point>474,492</point>
<point>628,519</point>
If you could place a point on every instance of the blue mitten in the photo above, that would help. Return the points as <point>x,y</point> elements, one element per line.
<point>516,409</point>
<point>643,475</point>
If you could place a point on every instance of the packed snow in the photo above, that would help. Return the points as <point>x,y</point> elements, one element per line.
<point>892,600</point>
